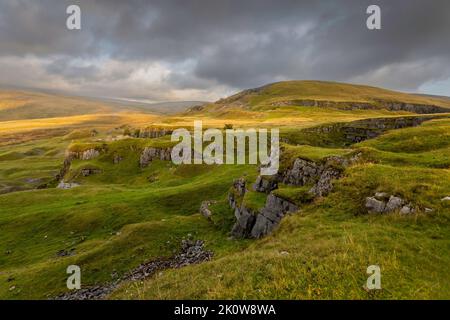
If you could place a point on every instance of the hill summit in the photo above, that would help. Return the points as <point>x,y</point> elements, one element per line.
<point>333,94</point>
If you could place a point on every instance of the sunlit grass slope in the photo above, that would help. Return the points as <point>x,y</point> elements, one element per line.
<point>325,90</point>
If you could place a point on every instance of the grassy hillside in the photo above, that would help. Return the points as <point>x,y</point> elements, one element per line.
<point>274,93</point>
<point>322,252</point>
<point>27,104</point>
<point>123,215</point>
<point>19,105</point>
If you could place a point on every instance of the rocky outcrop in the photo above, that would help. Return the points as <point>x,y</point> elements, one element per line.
<point>265,184</point>
<point>151,132</point>
<point>251,223</point>
<point>256,224</point>
<point>340,134</point>
<point>355,105</point>
<point>325,183</point>
<point>361,130</point>
<point>270,216</point>
<point>67,185</point>
<point>151,153</point>
<point>301,173</point>
<point>319,174</point>
<point>88,154</point>
<point>204,209</point>
<point>381,203</point>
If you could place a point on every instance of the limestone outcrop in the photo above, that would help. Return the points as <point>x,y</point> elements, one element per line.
<point>319,174</point>
<point>251,223</point>
<point>151,132</point>
<point>88,154</point>
<point>151,153</point>
<point>358,105</point>
<point>382,203</point>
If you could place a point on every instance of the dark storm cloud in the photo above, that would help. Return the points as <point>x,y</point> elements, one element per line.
<point>215,45</point>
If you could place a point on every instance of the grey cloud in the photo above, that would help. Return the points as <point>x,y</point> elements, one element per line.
<point>205,45</point>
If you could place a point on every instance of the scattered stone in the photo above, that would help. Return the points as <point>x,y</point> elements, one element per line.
<point>375,206</point>
<point>284,253</point>
<point>446,198</point>
<point>204,209</point>
<point>65,253</point>
<point>67,185</point>
<point>428,210</point>
<point>382,202</point>
<point>405,210</point>
<point>394,203</point>
<point>150,153</point>
<point>192,252</point>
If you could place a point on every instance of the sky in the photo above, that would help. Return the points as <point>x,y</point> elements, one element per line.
<point>208,49</point>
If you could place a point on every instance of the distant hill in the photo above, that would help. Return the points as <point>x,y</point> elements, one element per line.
<point>166,107</point>
<point>20,104</point>
<point>331,94</point>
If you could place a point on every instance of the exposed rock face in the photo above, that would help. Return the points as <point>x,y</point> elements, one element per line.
<point>245,220</point>
<point>383,203</point>
<point>270,216</point>
<point>150,153</point>
<point>321,175</point>
<point>88,154</point>
<point>360,130</point>
<point>325,183</point>
<point>252,223</point>
<point>151,133</point>
<point>265,184</point>
<point>374,205</point>
<point>355,105</point>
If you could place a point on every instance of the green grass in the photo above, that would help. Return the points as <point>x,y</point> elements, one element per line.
<point>325,90</point>
<point>127,215</point>
<point>332,242</point>
<point>297,195</point>
<point>254,200</point>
